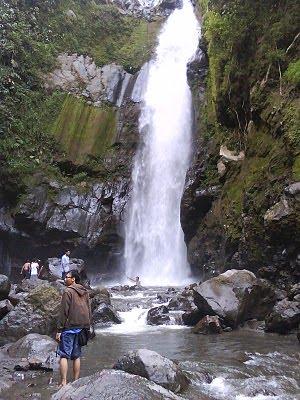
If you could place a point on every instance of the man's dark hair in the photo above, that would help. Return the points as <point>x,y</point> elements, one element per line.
<point>74,274</point>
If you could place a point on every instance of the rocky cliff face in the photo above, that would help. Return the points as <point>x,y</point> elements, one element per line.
<point>66,178</point>
<point>240,208</point>
<point>70,132</point>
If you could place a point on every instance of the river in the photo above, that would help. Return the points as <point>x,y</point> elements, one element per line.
<point>243,364</point>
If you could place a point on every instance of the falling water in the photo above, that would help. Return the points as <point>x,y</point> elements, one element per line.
<point>154,246</point>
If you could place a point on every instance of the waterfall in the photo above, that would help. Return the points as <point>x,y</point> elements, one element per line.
<point>154,242</point>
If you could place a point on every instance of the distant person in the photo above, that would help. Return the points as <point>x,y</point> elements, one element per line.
<point>41,267</point>
<point>65,263</point>
<point>75,314</point>
<point>136,281</point>
<point>25,271</point>
<point>34,270</point>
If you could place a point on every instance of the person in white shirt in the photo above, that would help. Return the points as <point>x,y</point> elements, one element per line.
<point>65,263</point>
<point>34,270</point>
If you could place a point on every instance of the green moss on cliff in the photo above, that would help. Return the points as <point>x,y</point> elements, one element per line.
<point>84,130</point>
<point>33,34</point>
<point>252,104</point>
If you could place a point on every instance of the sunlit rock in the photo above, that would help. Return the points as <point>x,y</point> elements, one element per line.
<point>153,366</point>
<point>37,313</point>
<point>223,295</point>
<point>38,350</point>
<point>113,384</point>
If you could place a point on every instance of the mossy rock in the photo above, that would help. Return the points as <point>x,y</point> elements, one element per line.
<point>84,130</point>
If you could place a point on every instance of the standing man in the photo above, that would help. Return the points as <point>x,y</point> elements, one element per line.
<point>65,263</point>
<point>75,314</point>
<point>25,271</point>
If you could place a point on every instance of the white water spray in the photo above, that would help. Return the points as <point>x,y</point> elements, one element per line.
<point>154,245</point>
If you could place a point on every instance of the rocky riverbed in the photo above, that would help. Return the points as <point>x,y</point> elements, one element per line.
<point>207,341</point>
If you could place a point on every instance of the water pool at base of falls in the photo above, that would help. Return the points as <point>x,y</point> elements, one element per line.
<point>243,364</point>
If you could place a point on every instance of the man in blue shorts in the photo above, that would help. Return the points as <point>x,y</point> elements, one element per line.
<point>75,314</point>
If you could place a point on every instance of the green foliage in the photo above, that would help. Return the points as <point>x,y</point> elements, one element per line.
<point>292,74</point>
<point>247,44</point>
<point>33,34</point>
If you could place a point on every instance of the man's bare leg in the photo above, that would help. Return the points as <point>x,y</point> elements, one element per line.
<point>76,368</point>
<point>63,366</point>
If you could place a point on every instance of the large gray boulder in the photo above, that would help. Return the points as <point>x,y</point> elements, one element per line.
<point>4,287</point>
<point>114,385</point>
<point>55,270</point>
<point>99,296</point>
<point>105,314</point>
<point>223,295</point>
<point>284,317</point>
<point>37,313</point>
<point>153,366</point>
<point>38,350</point>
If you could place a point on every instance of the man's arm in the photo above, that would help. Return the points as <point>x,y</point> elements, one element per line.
<point>64,310</point>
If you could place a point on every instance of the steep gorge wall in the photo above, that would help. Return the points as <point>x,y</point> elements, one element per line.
<point>67,147</point>
<point>245,214</point>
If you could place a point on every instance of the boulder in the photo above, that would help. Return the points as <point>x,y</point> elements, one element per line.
<point>29,284</point>
<point>207,325</point>
<point>15,298</point>
<point>153,366</point>
<point>158,316</point>
<point>39,351</point>
<point>4,287</point>
<point>223,295</point>
<point>37,313</point>
<point>99,296</point>
<point>5,307</point>
<point>257,302</point>
<point>114,385</point>
<point>104,314</point>
<point>55,267</point>
<point>284,317</point>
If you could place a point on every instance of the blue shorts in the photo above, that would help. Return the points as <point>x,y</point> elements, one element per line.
<point>69,346</point>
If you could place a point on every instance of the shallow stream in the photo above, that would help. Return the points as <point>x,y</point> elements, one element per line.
<point>244,364</point>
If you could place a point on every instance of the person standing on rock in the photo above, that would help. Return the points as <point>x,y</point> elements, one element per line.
<point>34,270</point>
<point>25,271</point>
<point>65,263</point>
<point>75,315</point>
